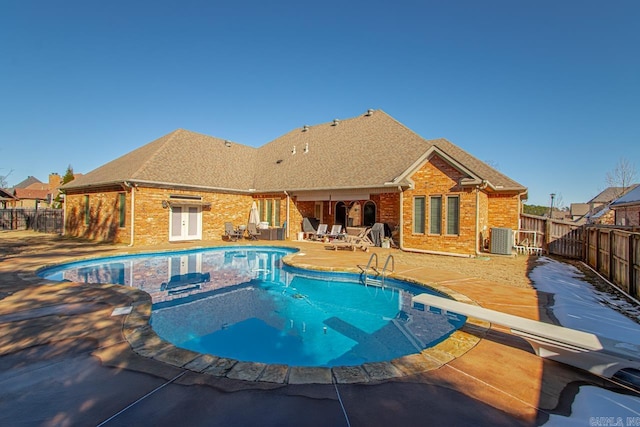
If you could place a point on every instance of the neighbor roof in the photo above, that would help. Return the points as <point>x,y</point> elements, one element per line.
<point>612,193</point>
<point>27,182</point>
<point>367,151</point>
<point>579,209</point>
<point>30,194</point>
<point>631,197</point>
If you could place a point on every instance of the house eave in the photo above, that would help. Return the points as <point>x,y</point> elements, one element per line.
<point>157,184</point>
<point>386,187</point>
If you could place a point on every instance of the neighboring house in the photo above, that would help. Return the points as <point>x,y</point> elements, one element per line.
<point>29,198</point>
<point>627,208</point>
<point>577,211</point>
<point>33,193</point>
<point>599,211</point>
<point>356,172</point>
<point>6,199</point>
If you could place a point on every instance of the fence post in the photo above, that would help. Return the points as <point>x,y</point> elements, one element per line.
<point>547,232</point>
<point>611,260</point>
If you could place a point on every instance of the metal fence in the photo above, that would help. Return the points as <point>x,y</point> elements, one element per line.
<point>42,220</point>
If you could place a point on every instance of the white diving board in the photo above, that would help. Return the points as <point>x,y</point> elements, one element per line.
<point>599,355</point>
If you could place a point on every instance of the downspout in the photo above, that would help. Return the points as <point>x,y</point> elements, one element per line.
<point>64,215</point>
<point>477,232</point>
<point>286,230</point>
<point>401,242</point>
<point>133,204</point>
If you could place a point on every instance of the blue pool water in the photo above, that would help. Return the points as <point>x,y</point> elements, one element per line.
<point>242,303</point>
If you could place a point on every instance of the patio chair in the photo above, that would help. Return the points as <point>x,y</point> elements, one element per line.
<point>231,233</point>
<point>252,231</point>
<point>322,232</point>
<point>309,227</point>
<point>361,240</point>
<point>335,231</point>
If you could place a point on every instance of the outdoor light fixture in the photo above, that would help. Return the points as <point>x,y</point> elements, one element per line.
<point>165,204</point>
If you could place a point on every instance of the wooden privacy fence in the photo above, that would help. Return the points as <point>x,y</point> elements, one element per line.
<point>42,220</point>
<point>555,237</point>
<point>613,251</point>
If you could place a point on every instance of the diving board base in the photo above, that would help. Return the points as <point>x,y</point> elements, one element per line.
<point>599,355</point>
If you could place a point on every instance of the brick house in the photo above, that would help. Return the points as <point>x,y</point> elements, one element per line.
<point>627,208</point>
<point>32,193</point>
<point>355,172</point>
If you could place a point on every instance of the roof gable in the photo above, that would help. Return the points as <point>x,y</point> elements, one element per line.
<point>27,182</point>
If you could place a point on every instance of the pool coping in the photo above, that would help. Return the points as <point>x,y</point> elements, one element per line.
<point>145,342</point>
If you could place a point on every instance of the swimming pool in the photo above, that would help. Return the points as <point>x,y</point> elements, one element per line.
<point>243,303</point>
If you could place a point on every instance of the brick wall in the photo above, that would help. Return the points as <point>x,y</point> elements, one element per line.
<point>627,215</point>
<point>104,208</point>
<point>151,219</point>
<point>438,178</point>
<point>504,210</point>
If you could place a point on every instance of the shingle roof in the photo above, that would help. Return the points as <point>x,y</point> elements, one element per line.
<point>631,197</point>
<point>180,158</point>
<point>31,194</point>
<point>579,209</point>
<point>5,194</point>
<point>362,152</point>
<point>27,182</point>
<point>611,193</point>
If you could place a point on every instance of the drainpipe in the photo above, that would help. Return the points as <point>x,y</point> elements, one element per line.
<point>64,215</point>
<point>286,230</point>
<point>482,186</point>
<point>133,204</point>
<point>477,232</point>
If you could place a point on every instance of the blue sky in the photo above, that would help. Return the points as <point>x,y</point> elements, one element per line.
<point>548,92</point>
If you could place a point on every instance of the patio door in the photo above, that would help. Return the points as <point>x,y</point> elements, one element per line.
<point>184,265</point>
<point>185,223</point>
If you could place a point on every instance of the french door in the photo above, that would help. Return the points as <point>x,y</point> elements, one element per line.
<point>185,223</point>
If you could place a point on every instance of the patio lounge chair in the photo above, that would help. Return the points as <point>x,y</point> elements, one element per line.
<point>252,231</point>
<point>322,232</point>
<point>231,233</point>
<point>335,231</point>
<point>309,227</point>
<point>361,240</point>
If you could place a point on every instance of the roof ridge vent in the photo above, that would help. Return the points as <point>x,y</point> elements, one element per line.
<point>227,143</point>
<point>336,122</point>
<point>305,128</point>
<point>369,112</point>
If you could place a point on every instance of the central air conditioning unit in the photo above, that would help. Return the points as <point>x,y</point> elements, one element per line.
<point>501,241</point>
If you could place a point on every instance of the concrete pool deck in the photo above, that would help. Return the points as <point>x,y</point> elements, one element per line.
<point>66,359</point>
